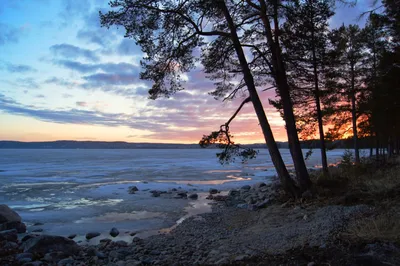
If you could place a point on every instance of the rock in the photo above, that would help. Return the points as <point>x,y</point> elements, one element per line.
<point>136,239</point>
<point>114,232</point>
<point>66,262</point>
<point>24,256</point>
<point>250,200</point>
<point>10,245</point>
<point>121,243</point>
<point>133,233</point>
<point>46,243</point>
<point>91,235</point>
<point>105,240</point>
<point>9,235</point>
<point>213,191</point>
<point>72,236</point>
<point>233,193</point>
<point>37,230</point>
<point>240,257</point>
<point>55,256</point>
<point>259,185</point>
<point>27,237</point>
<point>252,207</point>
<point>155,194</point>
<point>180,195</point>
<point>311,264</point>
<point>210,197</point>
<point>9,219</point>
<point>242,206</point>
<point>263,204</point>
<point>307,195</point>
<point>33,263</point>
<point>193,196</point>
<point>132,189</point>
<point>246,187</point>
<point>8,215</point>
<point>220,197</point>
<point>37,224</point>
<point>24,261</point>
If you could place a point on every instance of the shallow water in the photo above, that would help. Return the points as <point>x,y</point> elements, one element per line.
<point>77,191</point>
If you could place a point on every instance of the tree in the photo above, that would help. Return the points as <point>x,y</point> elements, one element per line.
<point>305,45</point>
<point>269,24</point>
<point>170,31</point>
<point>349,47</point>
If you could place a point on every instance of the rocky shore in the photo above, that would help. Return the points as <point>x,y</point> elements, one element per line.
<point>249,225</point>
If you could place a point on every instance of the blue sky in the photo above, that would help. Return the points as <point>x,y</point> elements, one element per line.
<point>62,76</point>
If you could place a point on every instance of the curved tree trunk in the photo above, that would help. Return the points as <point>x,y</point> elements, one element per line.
<point>276,157</point>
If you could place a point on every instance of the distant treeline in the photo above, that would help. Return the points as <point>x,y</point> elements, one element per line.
<point>70,144</point>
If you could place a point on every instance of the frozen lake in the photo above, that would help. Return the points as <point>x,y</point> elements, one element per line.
<point>77,191</point>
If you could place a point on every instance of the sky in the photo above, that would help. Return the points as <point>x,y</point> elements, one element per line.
<point>63,77</point>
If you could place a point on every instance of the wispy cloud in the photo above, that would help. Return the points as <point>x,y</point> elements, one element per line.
<point>71,51</point>
<point>17,68</point>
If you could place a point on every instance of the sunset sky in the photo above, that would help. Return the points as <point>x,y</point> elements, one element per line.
<point>63,77</point>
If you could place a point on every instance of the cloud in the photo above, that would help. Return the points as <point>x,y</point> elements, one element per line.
<point>106,67</point>
<point>93,36</point>
<point>81,104</point>
<point>71,51</point>
<point>102,79</point>
<point>128,47</point>
<point>60,82</point>
<point>9,34</point>
<point>40,96</point>
<point>16,68</point>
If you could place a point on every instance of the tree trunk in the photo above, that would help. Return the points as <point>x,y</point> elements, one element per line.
<point>319,112</point>
<point>283,88</point>
<point>276,157</point>
<point>354,116</point>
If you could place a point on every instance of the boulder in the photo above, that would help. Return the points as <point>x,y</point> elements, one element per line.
<point>263,204</point>
<point>114,232</point>
<point>246,187</point>
<point>132,189</point>
<point>9,219</point>
<point>180,195</point>
<point>233,193</point>
<point>9,235</point>
<point>193,196</point>
<point>213,191</point>
<point>72,236</point>
<point>8,215</point>
<point>45,244</point>
<point>91,235</point>
<point>259,185</point>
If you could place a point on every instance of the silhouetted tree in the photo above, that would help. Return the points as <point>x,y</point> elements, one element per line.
<point>170,31</point>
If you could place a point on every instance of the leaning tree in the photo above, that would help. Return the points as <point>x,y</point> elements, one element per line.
<point>171,32</point>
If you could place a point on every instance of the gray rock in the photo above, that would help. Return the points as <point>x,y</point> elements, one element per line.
<point>105,240</point>
<point>114,232</point>
<point>9,219</point>
<point>72,236</point>
<point>91,235</point>
<point>33,263</point>
<point>246,187</point>
<point>180,195</point>
<point>193,196</point>
<point>233,193</point>
<point>9,235</point>
<point>37,230</point>
<point>23,256</point>
<point>132,189</point>
<point>66,262</point>
<point>25,260</point>
<point>213,191</point>
<point>121,243</point>
<point>55,256</point>
<point>8,215</point>
<point>38,224</point>
<point>242,206</point>
<point>259,185</point>
<point>45,244</point>
<point>263,204</point>
<point>10,245</point>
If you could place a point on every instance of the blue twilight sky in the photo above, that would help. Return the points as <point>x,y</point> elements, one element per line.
<point>62,76</point>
